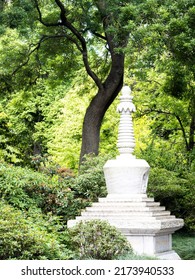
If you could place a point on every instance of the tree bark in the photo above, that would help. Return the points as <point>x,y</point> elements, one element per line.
<point>191,142</point>
<point>191,136</point>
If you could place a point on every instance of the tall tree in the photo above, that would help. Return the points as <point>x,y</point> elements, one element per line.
<point>95,30</point>
<point>81,23</point>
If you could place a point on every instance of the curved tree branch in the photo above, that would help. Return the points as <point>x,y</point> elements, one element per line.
<point>36,48</point>
<point>81,39</point>
<point>41,18</point>
<point>99,35</point>
<point>174,115</point>
<point>183,132</point>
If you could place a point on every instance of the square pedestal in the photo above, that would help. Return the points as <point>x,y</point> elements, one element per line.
<point>150,245</point>
<point>159,245</point>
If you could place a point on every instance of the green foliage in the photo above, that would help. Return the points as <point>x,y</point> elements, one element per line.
<point>65,150</point>
<point>167,187</point>
<point>25,189</point>
<point>61,197</point>
<point>169,120</point>
<point>161,58</point>
<point>27,118</point>
<point>188,202</point>
<point>90,181</point>
<point>184,245</point>
<point>174,192</point>
<point>96,239</point>
<point>43,84</point>
<point>16,16</point>
<point>29,237</point>
<point>54,189</point>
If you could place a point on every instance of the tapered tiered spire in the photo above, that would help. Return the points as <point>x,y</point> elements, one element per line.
<point>126,141</point>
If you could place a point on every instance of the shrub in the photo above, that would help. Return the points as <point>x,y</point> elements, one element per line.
<point>167,188</point>
<point>97,239</point>
<point>90,182</point>
<point>188,202</point>
<point>29,237</point>
<point>175,193</point>
<point>24,188</point>
<point>57,192</point>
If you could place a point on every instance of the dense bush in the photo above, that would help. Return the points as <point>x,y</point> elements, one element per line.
<point>174,192</point>
<point>97,239</point>
<point>24,188</point>
<point>30,236</point>
<point>90,182</point>
<point>56,192</point>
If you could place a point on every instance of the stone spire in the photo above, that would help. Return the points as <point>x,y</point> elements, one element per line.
<point>126,140</point>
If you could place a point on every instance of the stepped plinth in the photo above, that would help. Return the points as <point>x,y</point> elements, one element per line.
<point>147,225</point>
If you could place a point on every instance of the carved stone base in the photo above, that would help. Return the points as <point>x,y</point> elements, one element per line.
<point>146,224</point>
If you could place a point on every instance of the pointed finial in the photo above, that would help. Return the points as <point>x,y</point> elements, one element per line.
<point>126,103</point>
<point>126,90</point>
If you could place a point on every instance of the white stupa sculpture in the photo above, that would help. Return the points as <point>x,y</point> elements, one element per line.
<point>147,225</point>
<point>126,175</point>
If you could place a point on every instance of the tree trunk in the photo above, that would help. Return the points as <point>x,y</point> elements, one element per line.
<point>191,141</point>
<point>98,107</point>
<point>191,136</point>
